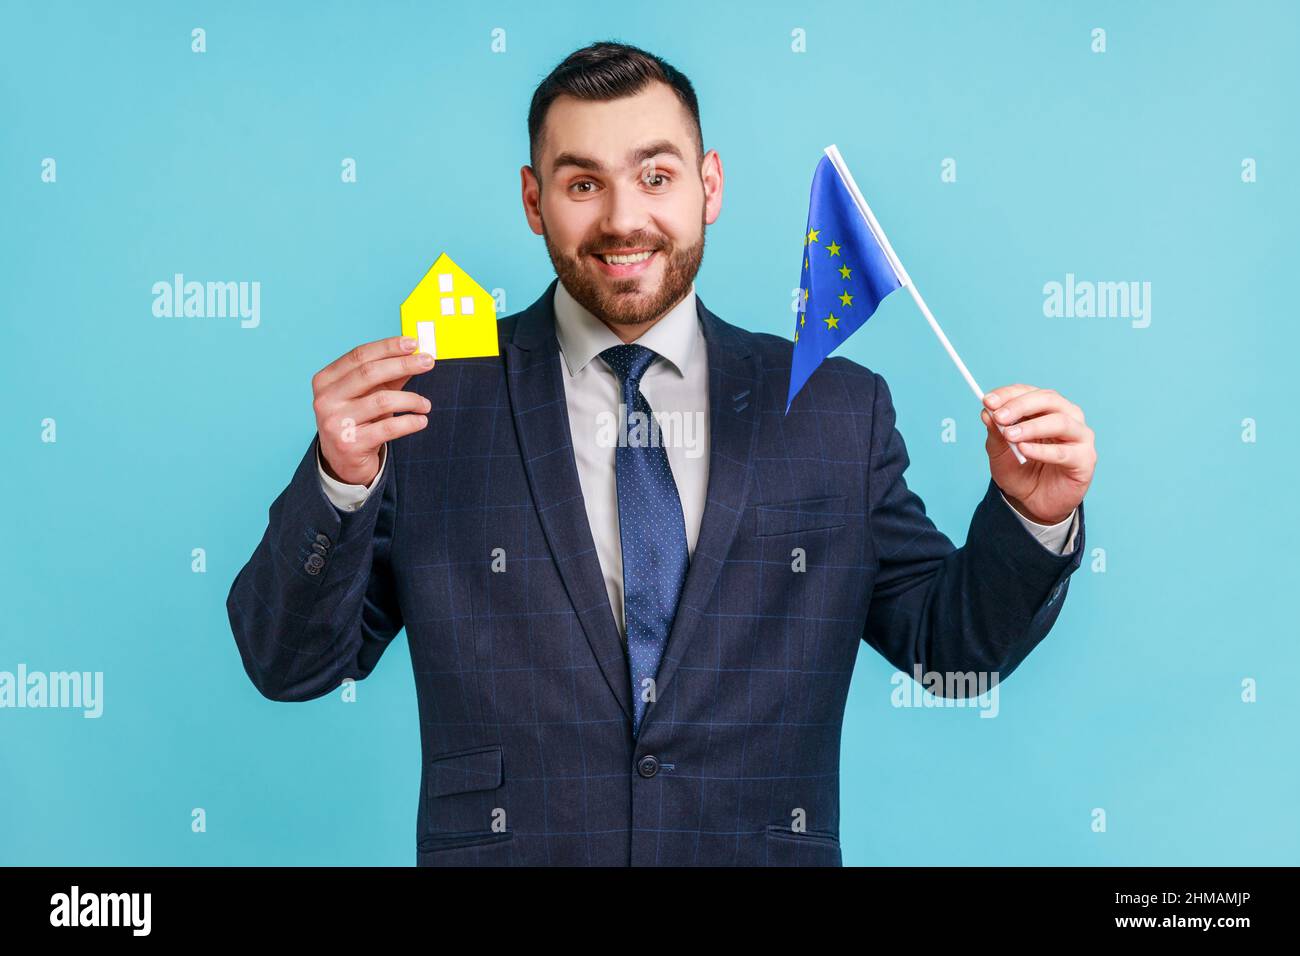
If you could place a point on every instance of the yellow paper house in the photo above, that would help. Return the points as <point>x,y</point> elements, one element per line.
<point>450,314</point>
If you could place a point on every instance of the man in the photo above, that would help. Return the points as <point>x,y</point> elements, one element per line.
<point>631,651</point>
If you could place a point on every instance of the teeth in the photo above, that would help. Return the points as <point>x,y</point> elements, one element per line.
<point>627,260</point>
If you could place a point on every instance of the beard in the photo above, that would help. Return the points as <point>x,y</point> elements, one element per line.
<point>624,301</point>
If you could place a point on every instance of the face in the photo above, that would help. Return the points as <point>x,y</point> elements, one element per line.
<point>621,178</point>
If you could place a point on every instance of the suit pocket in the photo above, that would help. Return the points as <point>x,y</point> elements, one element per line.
<point>465,771</point>
<point>804,514</point>
<point>813,848</point>
<point>472,839</point>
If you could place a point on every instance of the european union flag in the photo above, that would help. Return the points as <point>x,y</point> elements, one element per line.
<point>846,273</point>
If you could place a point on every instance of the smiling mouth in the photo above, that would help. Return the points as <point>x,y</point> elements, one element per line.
<point>624,265</point>
<point>625,259</point>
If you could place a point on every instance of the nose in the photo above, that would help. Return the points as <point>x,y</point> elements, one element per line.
<point>625,211</point>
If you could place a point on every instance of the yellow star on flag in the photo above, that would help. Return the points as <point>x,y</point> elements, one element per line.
<point>832,322</point>
<point>846,299</point>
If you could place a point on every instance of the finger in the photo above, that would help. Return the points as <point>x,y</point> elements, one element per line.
<point>386,429</point>
<point>1000,396</point>
<point>1073,410</point>
<point>377,373</point>
<point>1038,401</point>
<point>1053,426</point>
<point>397,384</point>
<point>987,418</point>
<point>380,348</point>
<point>996,443</point>
<point>1067,454</point>
<point>380,404</point>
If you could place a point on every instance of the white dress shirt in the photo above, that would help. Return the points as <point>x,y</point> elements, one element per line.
<point>677,381</point>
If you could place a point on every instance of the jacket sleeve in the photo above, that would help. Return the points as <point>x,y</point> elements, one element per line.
<point>980,608</point>
<point>317,601</point>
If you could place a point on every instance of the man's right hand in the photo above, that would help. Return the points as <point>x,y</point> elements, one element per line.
<point>356,399</point>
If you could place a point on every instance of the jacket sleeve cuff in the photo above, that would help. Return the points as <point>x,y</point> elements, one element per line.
<point>1002,539</point>
<point>311,524</point>
<point>344,496</point>
<point>1056,538</point>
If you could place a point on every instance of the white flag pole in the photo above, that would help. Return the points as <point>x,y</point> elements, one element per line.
<point>838,161</point>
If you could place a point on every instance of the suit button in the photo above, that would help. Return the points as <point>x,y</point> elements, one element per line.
<point>319,548</point>
<point>648,766</point>
<point>314,563</point>
<point>323,540</point>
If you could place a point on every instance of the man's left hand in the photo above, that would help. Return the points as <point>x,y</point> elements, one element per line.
<point>1053,437</point>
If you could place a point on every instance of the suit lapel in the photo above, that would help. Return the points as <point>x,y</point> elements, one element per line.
<point>541,417</point>
<point>735,391</point>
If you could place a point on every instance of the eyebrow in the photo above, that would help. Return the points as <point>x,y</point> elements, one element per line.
<point>635,157</point>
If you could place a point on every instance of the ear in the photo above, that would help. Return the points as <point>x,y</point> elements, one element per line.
<point>711,176</point>
<point>531,191</point>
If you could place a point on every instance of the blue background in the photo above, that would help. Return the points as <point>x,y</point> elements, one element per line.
<point>177,433</point>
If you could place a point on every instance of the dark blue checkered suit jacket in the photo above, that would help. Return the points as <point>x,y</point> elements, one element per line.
<point>523,688</point>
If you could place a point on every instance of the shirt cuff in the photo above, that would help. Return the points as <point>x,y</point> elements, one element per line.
<point>347,497</point>
<point>1057,538</point>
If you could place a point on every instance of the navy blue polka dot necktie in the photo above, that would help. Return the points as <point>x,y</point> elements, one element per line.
<point>651,528</point>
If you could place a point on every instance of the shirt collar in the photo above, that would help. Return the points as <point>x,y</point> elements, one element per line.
<point>582,336</point>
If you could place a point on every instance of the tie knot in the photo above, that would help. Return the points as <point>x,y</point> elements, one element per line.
<point>629,362</point>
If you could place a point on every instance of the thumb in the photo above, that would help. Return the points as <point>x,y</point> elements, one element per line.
<point>995,443</point>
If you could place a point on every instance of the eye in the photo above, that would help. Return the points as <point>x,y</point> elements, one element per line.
<point>647,179</point>
<point>582,182</point>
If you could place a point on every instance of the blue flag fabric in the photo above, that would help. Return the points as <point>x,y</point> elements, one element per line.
<point>845,274</point>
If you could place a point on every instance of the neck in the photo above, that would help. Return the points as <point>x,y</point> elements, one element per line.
<point>630,333</point>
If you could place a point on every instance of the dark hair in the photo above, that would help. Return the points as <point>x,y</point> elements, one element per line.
<point>607,71</point>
